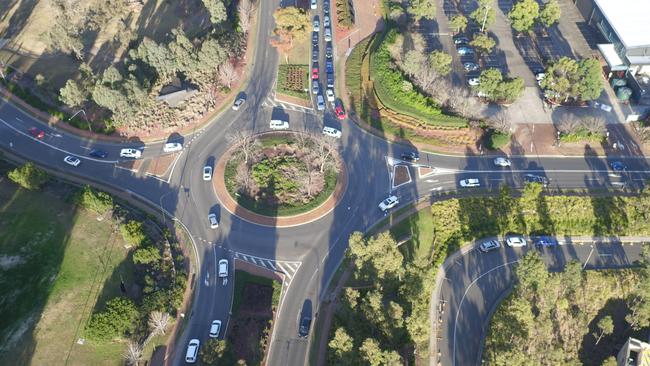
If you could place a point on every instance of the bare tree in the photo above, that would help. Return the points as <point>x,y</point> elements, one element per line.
<point>462,102</point>
<point>426,78</point>
<point>324,147</point>
<point>133,353</point>
<point>245,10</point>
<point>158,322</point>
<point>568,124</point>
<point>247,143</point>
<point>501,123</point>
<point>243,178</point>
<point>227,73</point>
<point>594,125</point>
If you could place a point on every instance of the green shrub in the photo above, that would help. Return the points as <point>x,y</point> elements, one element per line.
<point>496,140</point>
<point>118,319</point>
<point>29,176</point>
<point>94,200</point>
<point>582,135</point>
<point>147,255</point>
<point>133,232</point>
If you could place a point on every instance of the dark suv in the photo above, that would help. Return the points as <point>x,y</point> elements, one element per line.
<point>411,156</point>
<point>532,178</point>
<point>304,322</point>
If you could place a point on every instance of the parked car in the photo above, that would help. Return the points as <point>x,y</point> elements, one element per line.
<point>328,51</point>
<point>314,54</point>
<point>330,80</point>
<point>329,66</point>
<point>314,5</point>
<point>488,246</point>
<point>532,178</point>
<point>545,241</point>
<point>320,102</point>
<point>470,182</point>
<point>412,156</point>
<point>98,154</point>
<point>130,153</point>
<point>238,103</point>
<point>331,132</point>
<point>212,219</point>
<point>328,34</point>
<point>515,241</point>
<point>464,50</point>
<point>72,160</point>
<point>192,351</point>
<point>473,81</point>
<point>326,21</point>
<point>326,6</point>
<point>215,328</point>
<point>305,324</point>
<point>470,66</point>
<point>172,147</point>
<point>338,109</point>
<point>617,166</point>
<point>277,124</point>
<point>459,40</point>
<point>223,268</point>
<point>207,172</point>
<point>540,76</point>
<point>36,133</point>
<point>314,37</point>
<point>388,203</point>
<point>502,162</point>
<point>314,72</point>
<point>315,88</point>
<point>316,24</point>
<point>329,93</point>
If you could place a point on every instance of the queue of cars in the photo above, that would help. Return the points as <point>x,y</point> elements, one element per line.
<point>518,241</point>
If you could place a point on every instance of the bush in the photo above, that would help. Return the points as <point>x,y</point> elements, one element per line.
<point>148,255</point>
<point>496,140</point>
<point>293,80</point>
<point>344,13</point>
<point>133,232</point>
<point>94,200</point>
<point>118,319</point>
<point>29,176</point>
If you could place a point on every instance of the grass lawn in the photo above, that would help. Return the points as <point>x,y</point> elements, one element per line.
<point>54,262</point>
<point>420,229</point>
<point>300,54</point>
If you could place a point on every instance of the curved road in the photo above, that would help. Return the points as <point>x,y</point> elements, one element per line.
<point>306,255</point>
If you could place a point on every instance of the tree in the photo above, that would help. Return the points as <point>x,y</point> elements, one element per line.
<point>606,327</point>
<point>496,88</point>
<point>341,345</point>
<point>489,81</point>
<point>550,13</point>
<point>213,351</point>
<point>147,255</point>
<point>568,78</point>
<point>413,62</point>
<point>227,73</point>
<point>371,353</point>
<point>485,15</point>
<point>133,232</point>
<point>440,62</point>
<point>29,176</point>
<point>377,257</point>
<point>155,55</point>
<point>610,361</point>
<point>111,76</point>
<point>245,141</point>
<point>323,151</point>
<point>458,23</point>
<point>523,15</point>
<point>72,95</point>
<point>245,10</point>
<point>133,353</point>
<point>422,9</point>
<point>483,43</point>
<point>217,10</point>
<point>532,275</point>
<point>590,79</point>
<point>94,200</point>
<point>158,322</point>
<point>118,318</point>
<point>500,123</point>
<point>510,90</point>
<point>290,23</point>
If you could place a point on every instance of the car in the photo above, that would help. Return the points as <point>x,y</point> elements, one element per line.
<point>470,66</point>
<point>488,246</point>
<point>461,40</point>
<point>331,132</point>
<point>192,351</point>
<point>215,328</point>
<point>464,50</point>
<point>212,219</point>
<point>238,103</point>
<point>277,124</point>
<point>98,154</point>
<point>329,66</point>
<point>36,133</point>
<point>207,173</point>
<point>326,21</point>
<point>314,72</point>
<point>72,160</point>
<point>314,4</point>
<point>172,147</point>
<point>515,241</point>
<point>130,153</point>
<point>470,182</point>
<point>330,80</point>
<point>314,37</point>
<point>326,6</point>
<point>303,327</point>
<point>412,156</point>
<point>328,34</point>
<point>315,88</point>
<point>314,54</point>
<point>540,76</point>
<point>502,162</point>
<point>328,51</point>
<point>316,24</point>
<point>223,268</point>
<point>388,203</point>
<point>473,81</point>
<point>545,241</point>
<point>617,166</point>
<point>532,178</point>
<point>338,109</point>
<point>330,95</point>
<point>320,102</point>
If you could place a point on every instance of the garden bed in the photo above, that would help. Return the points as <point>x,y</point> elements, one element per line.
<point>401,175</point>
<point>293,80</point>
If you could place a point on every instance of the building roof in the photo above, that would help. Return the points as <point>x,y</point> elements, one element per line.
<point>613,60</point>
<point>629,19</point>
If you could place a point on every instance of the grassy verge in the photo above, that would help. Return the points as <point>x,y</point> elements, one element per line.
<point>581,136</point>
<point>419,227</point>
<point>288,82</point>
<point>496,140</point>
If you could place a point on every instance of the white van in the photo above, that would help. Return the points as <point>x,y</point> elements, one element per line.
<point>331,132</point>
<point>172,146</point>
<point>277,124</point>
<point>130,153</point>
<point>192,351</point>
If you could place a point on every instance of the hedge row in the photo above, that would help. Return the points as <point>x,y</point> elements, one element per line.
<point>344,13</point>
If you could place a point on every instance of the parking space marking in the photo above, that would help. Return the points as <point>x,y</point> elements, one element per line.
<point>287,268</point>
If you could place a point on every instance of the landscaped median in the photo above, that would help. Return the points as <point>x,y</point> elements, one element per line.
<point>293,82</point>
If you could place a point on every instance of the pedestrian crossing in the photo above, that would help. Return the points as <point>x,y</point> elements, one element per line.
<point>287,268</point>
<point>271,102</point>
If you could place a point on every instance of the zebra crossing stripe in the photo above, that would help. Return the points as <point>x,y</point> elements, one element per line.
<point>282,269</point>
<point>271,265</point>
<point>291,265</point>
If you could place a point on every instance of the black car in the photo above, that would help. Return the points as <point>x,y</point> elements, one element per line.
<point>330,80</point>
<point>98,154</point>
<point>304,322</point>
<point>532,178</point>
<point>328,51</point>
<point>411,156</point>
<point>326,7</point>
<point>314,54</point>
<point>329,66</point>
<point>314,37</point>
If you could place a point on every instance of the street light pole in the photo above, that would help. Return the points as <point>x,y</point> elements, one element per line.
<point>485,17</point>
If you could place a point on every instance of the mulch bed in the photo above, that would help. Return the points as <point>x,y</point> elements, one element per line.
<point>402,175</point>
<point>248,327</point>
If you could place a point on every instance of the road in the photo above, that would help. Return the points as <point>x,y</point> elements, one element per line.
<point>307,255</point>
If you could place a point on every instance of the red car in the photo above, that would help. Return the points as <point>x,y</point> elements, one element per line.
<point>314,73</point>
<point>36,133</point>
<point>338,109</point>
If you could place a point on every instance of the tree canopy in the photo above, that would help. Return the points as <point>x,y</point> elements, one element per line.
<point>422,9</point>
<point>523,15</point>
<point>550,13</point>
<point>485,15</point>
<point>568,78</point>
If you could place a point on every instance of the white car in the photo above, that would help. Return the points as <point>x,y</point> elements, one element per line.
<point>470,182</point>
<point>316,25</point>
<point>192,351</point>
<point>207,172</point>
<point>320,103</point>
<point>215,328</point>
<point>388,203</point>
<point>473,81</point>
<point>212,218</point>
<point>277,124</point>
<point>331,132</point>
<point>238,103</point>
<point>130,153</point>
<point>314,4</point>
<point>516,241</point>
<point>172,147</point>
<point>330,95</point>
<point>223,268</point>
<point>328,34</point>
<point>326,21</point>
<point>489,245</point>
<point>71,160</point>
<point>502,162</point>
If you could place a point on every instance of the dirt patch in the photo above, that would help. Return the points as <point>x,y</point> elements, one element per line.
<point>133,165</point>
<point>401,175</point>
<point>293,100</point>
<point>425,171</point>
<point>251,327</point>
<point>160,166</point>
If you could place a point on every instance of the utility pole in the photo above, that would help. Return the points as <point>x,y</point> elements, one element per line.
<point>485,17</point>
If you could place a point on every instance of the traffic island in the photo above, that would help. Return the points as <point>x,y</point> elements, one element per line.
<point>401,175</point>
<point>280,179</point>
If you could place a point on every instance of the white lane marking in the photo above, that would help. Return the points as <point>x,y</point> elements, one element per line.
<point>270,263</point>
<point>436,189</point>
<point>431,181</point>
<point>56,148</point>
